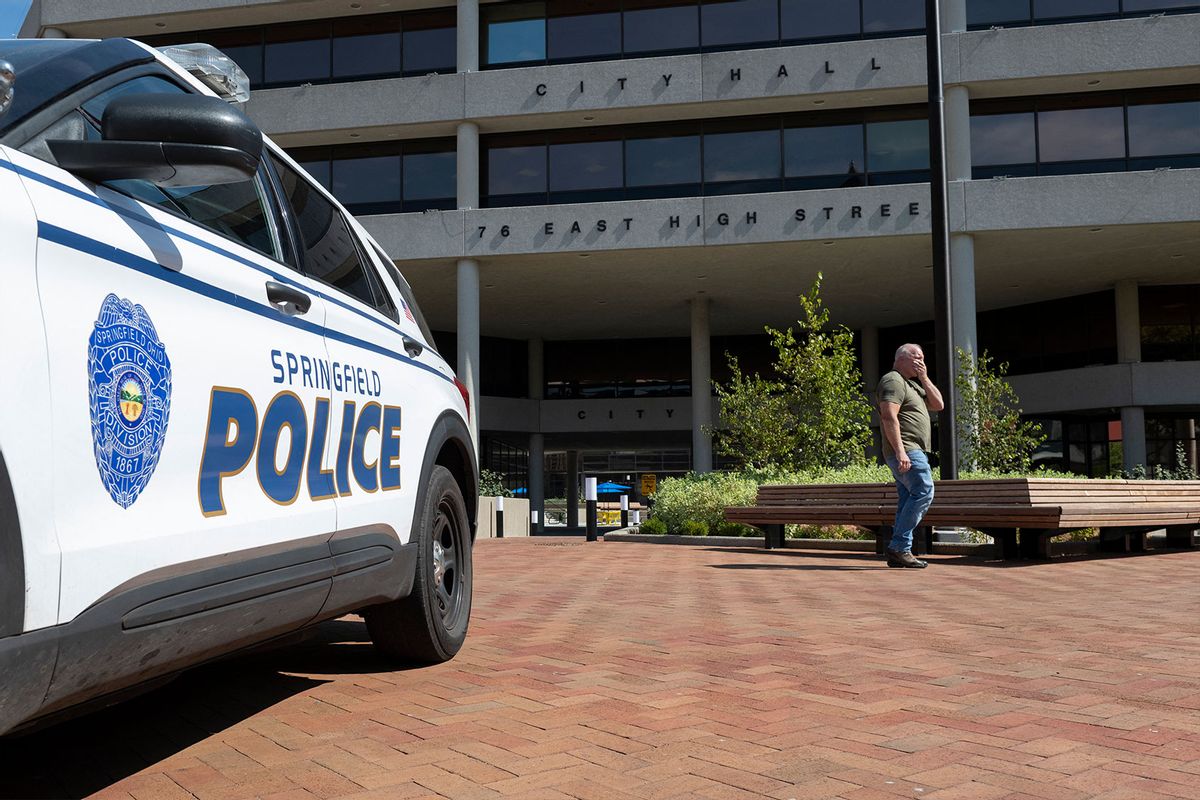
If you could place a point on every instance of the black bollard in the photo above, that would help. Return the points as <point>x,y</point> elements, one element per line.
<point>624,511</point>
<point>535,526</point>
<point>499,517</point>
<point>590,495</point>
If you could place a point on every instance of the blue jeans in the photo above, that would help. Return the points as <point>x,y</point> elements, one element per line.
<point>914,493</point>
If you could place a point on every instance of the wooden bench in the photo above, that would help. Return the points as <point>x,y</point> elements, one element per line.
<point>1040,508</point>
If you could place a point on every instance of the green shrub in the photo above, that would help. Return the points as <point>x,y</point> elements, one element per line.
<point>491,484</point>
<point>727,528</point>
<point>840,532</point>
<point>654,525</point>
<point>693,527</point>
<point>702,498</point>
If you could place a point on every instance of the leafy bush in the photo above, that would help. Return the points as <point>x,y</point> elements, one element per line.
<point>693,527</point>
<point>654,525</point>
<point>727,528</point>
<point>701,497</point>
<point>990,429</point>
<point>491,484</point>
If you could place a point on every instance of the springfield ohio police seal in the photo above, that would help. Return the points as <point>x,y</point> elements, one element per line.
<point>130,392</point>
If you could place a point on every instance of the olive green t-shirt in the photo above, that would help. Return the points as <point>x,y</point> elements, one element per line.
<point>913,414</point>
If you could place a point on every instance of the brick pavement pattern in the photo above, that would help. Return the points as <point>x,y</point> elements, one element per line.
<point>621,671</point>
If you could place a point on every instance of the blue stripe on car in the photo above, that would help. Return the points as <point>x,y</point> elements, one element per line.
<point>84,244</point>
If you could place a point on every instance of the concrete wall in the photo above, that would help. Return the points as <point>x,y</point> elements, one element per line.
<point>516,518</point>
<point>1109,386</point>
<point>1123,198</point>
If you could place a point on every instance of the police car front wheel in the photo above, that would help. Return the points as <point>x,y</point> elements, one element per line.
<point>429,625</point>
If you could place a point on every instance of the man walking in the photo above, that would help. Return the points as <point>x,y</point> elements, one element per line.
<point>906,396</point>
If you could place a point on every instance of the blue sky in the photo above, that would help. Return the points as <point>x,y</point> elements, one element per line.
<point>12,14</point>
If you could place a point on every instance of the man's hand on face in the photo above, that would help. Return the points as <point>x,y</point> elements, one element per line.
<point>920,372</point>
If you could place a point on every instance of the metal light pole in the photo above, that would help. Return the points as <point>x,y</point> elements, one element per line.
<point>943,315</point>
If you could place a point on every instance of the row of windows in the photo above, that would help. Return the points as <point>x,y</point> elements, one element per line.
<point>1170,319</point>
<point>708,157</point>
<point>1101,132</point>
<point>335,50</point>
<point>986,13</point>
<point>561,31</point>
<point>385,178</point>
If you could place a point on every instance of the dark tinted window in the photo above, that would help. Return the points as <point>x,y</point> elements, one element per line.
<point>330,252</point>
<point>835,152</point>
<point>1155,5</point>
<point>1046,9</point>
<point>580,29</point>
<point>430,43</point>
<point>407,296</point>
<point>514,33</point>
<point>1164,129</point>
<point>1170,319</point>
<point>661,26</point>
<point>1003,139</point>
<point>819,19</point>
<point>725,23</point>
<point>366,46</point>
<point>994,12</point>
<point>902,145</point>
<point>885,16</point>
<point>429,180</point>
<point>319,170</point>
<point>516,170</point>
<point>297,53</point>
<point>663,161</point>
<point>741,160</point>
<point>366,182</point>
<point>1081,134</point>
<point>585,166</point>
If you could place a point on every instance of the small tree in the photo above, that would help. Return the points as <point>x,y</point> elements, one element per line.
<point>812,413</point>
<point>992,436</point>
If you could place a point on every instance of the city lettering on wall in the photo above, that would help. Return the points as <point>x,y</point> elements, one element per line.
<point>776,77</point>
<point>640,413</point>
<point>741,221</point>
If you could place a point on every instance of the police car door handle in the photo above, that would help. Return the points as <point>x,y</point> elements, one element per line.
<point>412,346</point>
<point>281,294</point>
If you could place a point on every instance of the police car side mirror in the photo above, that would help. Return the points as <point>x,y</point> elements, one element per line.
<point>167,139</point>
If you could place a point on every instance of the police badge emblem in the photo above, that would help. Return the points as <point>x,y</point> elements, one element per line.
<point>130,392</point>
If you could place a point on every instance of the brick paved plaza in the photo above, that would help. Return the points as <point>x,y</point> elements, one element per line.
<point>614,671</point>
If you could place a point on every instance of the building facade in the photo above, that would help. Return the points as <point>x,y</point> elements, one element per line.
<point>597,200</point>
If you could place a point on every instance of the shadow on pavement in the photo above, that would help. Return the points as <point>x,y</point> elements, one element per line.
<point>85,754</point>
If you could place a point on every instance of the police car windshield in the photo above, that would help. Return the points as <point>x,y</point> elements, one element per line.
<point>25,54</point>
<point>48,69</point>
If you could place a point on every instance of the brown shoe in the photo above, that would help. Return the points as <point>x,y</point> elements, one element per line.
<point>905,560</point>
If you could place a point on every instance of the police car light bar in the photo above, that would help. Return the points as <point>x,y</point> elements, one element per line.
<point>218,71</point>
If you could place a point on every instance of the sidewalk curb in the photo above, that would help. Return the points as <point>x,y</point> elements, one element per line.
<point>756,542</point>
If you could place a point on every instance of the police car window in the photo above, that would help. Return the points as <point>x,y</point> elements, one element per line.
<point>238,211</point>
<point>406,296</point>
<point>330,251</point>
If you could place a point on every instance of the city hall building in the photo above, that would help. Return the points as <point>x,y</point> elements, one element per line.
<point>596,200</point>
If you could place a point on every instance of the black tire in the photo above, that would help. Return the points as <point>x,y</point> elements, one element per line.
<point>430,625</point>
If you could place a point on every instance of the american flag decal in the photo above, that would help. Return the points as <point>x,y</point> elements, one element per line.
<point>407,313</point>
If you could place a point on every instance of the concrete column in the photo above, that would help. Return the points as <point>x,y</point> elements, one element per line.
<point>572,488</point>
<point>537,442</point>
<point>54,33</point>
<point>468,335</point>
<point>962,288</point>
<point>1129,351</point>
<point>958,137</point>
<point>701,386</point>
<point>1129,323</point>
<point>954,16</point>
<point>537,475</point>
<point>467,165</point>
<point>1133,436</point>
<point>869,337</point>
<point>468,35</point>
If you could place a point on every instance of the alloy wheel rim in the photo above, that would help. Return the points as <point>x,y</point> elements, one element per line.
<point>447,582</point>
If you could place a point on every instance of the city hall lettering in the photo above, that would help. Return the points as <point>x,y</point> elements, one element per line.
<point>777,75</point>
<point>740,220</point>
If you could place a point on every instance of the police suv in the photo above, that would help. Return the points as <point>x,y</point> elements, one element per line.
<point>225,418</point>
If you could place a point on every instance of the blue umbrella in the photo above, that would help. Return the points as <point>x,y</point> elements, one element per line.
<point>521,491</point>
<point>611,488</point>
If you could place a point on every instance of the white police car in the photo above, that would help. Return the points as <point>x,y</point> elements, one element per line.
<point>223,418</point>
